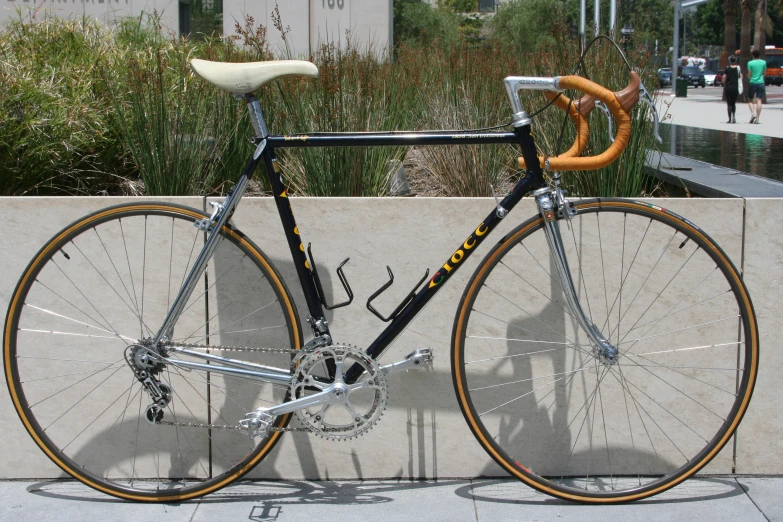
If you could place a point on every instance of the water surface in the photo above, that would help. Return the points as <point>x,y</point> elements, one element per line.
<point>753,153</point>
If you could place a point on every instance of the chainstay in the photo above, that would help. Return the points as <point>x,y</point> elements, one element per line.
<point>200,425</point>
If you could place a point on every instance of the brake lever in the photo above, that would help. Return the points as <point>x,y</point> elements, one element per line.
<point>601,105</point>
<point>649,101</point>
<point>646,98</point>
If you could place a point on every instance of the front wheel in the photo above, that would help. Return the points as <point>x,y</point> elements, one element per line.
<point>98,291</point>
<point>550,409</point>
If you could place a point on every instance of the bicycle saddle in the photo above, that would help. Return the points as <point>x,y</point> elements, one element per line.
<point>242,78</point>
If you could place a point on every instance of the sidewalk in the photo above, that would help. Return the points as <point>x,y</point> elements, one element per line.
<point>714,498</point>
<point>703,108</point>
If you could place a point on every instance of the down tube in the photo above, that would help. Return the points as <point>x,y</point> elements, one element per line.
<point>440,278</point>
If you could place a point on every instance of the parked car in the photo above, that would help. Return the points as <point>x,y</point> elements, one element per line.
<point>709,77</point>
<point>693,74</point>
<point>664,77</point>
<point>719,79</point>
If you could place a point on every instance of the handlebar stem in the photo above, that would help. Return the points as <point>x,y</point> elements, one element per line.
<point>514,84</point>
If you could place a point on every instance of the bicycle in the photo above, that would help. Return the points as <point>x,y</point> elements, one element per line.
<point>177,357</point>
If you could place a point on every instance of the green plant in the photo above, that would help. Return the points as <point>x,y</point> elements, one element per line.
<point>418,21</point>
<point>527,24</point>
<point>459,6</point>
<point>87,110</point>
<point>354,92</point>
<point>178,129</point>
<point>54,136</point>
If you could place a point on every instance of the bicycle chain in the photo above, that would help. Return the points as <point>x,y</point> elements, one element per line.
<point>289,351</point>
<point>222,426</point>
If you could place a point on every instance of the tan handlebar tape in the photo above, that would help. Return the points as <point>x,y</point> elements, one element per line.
<point>618,103</point>
<point>578,112</point>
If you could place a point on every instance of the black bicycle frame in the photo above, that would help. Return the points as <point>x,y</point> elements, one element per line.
<point>532,180</point>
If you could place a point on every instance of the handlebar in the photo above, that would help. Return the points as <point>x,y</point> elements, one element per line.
<point>619,104</point>
<point>578,111</point>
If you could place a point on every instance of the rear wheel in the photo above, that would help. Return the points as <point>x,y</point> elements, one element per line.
<point>545,404</point>
<point>97,291</point>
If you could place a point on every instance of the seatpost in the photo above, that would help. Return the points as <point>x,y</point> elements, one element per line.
<point>256,116</point>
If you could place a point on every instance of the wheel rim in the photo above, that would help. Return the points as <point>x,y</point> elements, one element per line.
<point>106,284</point>
<point>544,419</point>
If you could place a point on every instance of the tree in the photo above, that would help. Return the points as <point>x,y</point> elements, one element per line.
<point>527,24</point>
<point>729,27</point>
<point>650,29</point>
<point>708,23</point>
<point>417,20</point>
<point>760,38</point>
<point>747,6</point>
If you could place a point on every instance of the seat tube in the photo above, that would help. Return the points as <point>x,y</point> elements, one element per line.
<point>302,264</point>
<point>548,211</point>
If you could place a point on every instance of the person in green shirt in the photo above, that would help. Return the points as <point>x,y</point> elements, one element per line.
<point>756,70</point>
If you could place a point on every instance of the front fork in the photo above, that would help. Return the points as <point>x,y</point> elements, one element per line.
<point>553,208</point>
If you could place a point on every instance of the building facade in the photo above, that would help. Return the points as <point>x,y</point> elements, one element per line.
<point>311,22</point>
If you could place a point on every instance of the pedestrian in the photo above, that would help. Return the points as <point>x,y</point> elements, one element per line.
<point>756,70</point>
<point>731,83</point>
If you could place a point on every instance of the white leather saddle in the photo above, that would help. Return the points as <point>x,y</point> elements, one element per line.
<point>242,78</point>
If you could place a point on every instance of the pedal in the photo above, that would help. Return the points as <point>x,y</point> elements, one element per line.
<point>257,423</point>
<point>414,360</point>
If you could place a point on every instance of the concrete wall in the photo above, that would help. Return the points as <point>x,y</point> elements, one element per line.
<point>422,433</point>
<point>311,22</point>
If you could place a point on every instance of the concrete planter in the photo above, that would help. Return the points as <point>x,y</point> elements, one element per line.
<point>422,434</point>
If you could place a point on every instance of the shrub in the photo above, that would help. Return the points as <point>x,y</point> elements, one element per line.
<point>83,109</point>
<point>54,132</point>
<point>418,21</point>
<point>527,24</point>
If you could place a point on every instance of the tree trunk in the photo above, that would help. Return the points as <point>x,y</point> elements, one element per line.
<point>729,32</point>
<point>760,36</point>
<point>729,29</point>
<point>747,7</point>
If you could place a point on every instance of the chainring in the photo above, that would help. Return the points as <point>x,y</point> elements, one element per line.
<point>360,408</point>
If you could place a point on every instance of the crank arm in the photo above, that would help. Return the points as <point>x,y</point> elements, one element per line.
<point>412,361</point>
<point>327,396</point>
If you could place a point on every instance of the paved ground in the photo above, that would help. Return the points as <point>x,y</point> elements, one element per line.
<point>703,108</point>
<point>716,499</point>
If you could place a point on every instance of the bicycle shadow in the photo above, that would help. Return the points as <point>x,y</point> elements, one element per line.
<point>706,489</point>
<point>119,443</point>
<point>543,420</point>
<point>277,494</point>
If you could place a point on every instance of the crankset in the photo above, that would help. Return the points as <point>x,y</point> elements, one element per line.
<point>325,403</point>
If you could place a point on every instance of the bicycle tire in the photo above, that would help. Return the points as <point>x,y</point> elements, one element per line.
<point>118,270</point>
<point>535,394</point>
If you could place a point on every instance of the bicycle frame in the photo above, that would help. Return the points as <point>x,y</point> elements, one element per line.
<point>266,152</point>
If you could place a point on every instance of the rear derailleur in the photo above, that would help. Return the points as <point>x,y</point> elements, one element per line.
<point>147,365</point>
